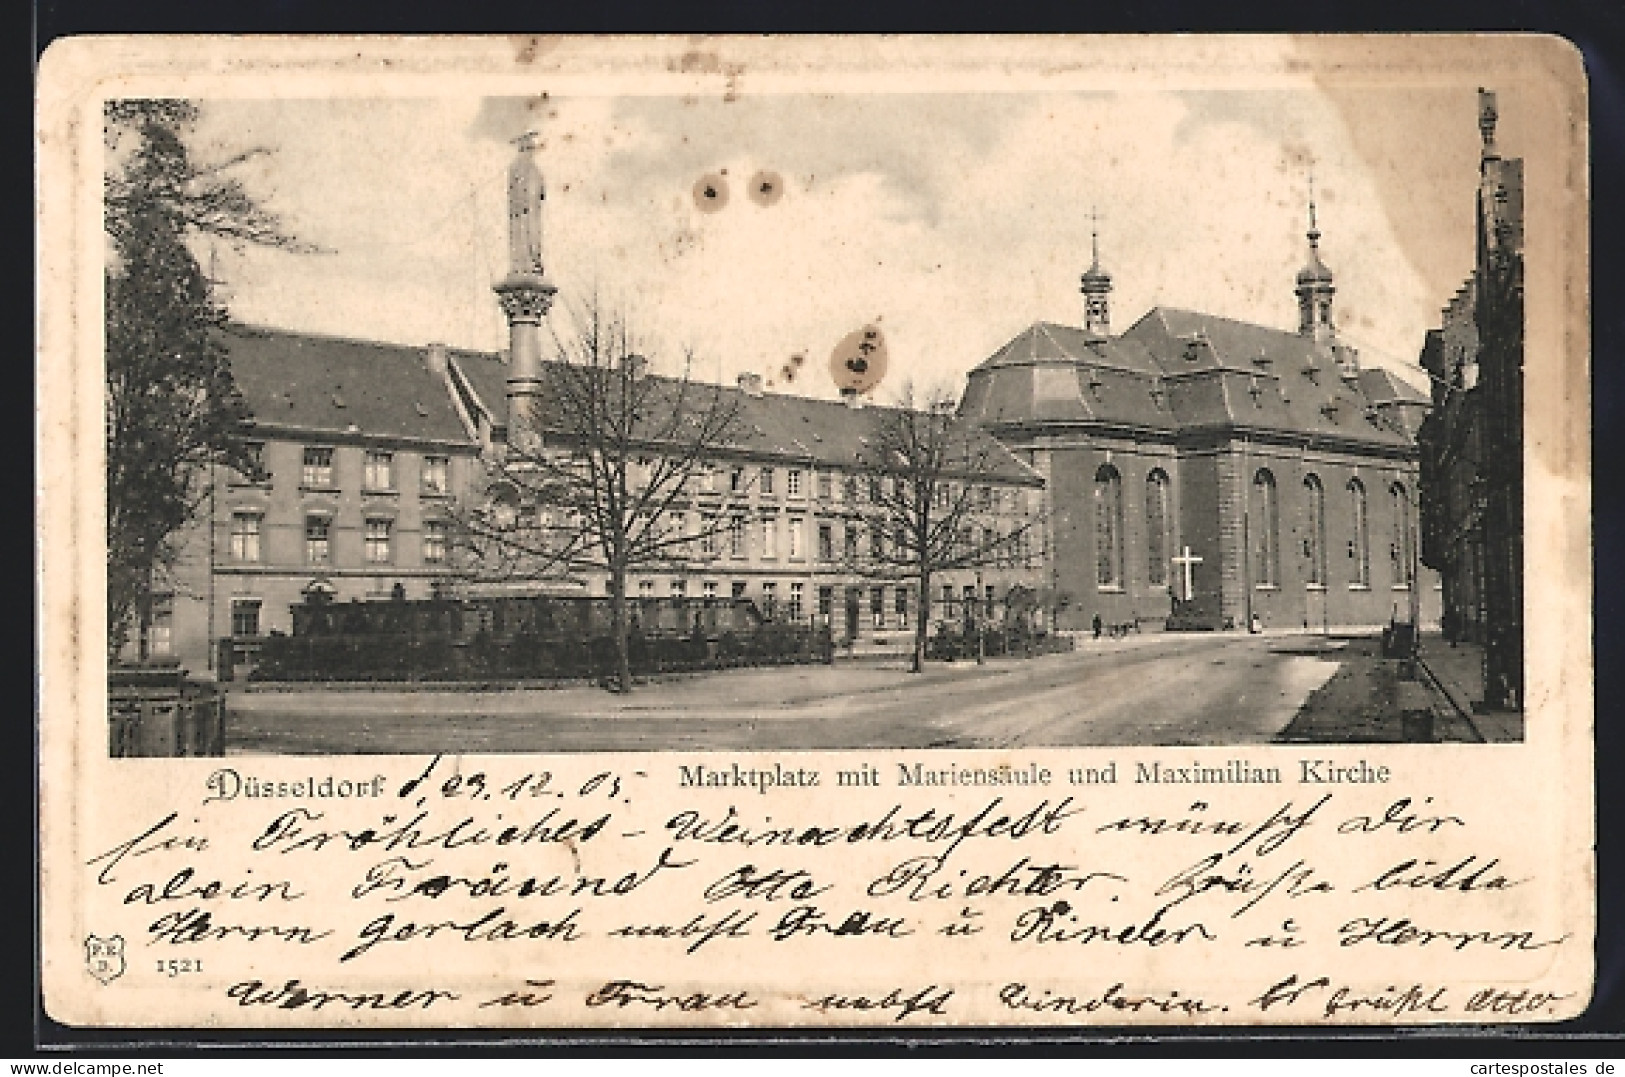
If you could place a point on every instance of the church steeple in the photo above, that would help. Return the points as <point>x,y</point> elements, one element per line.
<point>1315,288</point>
<point>1097,288</point>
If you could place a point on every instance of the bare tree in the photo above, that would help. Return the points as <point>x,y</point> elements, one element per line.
<point>607,474</point>
<point>931,481</point>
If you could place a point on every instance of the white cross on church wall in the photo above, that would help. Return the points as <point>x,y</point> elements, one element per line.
<point>1188,561</point>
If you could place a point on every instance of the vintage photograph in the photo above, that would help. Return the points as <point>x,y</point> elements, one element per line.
<point>754,421</point>
<point>907,533</point>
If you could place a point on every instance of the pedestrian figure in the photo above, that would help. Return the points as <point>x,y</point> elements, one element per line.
<point>1097,626</point>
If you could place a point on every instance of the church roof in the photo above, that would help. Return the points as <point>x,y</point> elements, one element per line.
<point>333,384</point>
<point>797,429</point>
<point>1177,370</point>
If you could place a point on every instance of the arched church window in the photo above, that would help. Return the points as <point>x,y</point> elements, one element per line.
<point>1108,527</point>
<point>1360,543</point>
<point>1266,525</point>
<point>1156,528</point>
<point>1399,549</point>
<point>1314,540</point>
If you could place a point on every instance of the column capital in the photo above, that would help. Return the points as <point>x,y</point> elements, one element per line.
<point>525,298</point>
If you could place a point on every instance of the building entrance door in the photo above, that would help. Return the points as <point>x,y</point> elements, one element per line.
<point>852,613</point>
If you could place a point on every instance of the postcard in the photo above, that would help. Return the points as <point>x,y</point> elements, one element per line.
<point>806,533</point>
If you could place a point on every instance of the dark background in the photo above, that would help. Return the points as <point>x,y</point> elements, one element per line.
<point>1595,27</point>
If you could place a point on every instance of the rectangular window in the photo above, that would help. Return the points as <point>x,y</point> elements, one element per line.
<point>679,588</point>
<point>795,602</point>
<point>245,536</point>
<point>767,481</point>
<point>708,534</point>
<point>770,598</point>
<point>792,482</point>
<point>435,470</point>
<point>245,617</point>
<point>736,481</point>
<point>851,540</point>
<point>826,542</point>
<point>900,606</point>
<point>877,540</point>
<point>434,542</point>
<point>378,471</point>
<point>318,470</point>
<point>794,538</point>
<point>770,537</point>
<point>377,541</point>
<point>849,489</point>
<point>739,588</point>
<point>710,590</point>
<point>826,601</point>
<point>826,486</point>
<point>646,590</point>
<point>988,598</point>
<point>877,606</point>
<point>736,537</point>
<point>161,634</point>
<point>318,543</point>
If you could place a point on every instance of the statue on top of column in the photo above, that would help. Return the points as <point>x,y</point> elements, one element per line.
<point>525,194</point>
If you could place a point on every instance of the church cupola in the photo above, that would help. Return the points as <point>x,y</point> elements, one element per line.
<point>1097,289</point>
<point>1315,289</point>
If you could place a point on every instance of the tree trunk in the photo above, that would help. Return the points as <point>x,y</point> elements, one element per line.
<point>623,651</point>
<point>923,625</point>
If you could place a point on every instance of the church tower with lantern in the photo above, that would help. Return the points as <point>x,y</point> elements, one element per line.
<point>1315,289</point>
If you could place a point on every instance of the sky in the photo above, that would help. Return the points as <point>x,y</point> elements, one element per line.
<point>952,220</point>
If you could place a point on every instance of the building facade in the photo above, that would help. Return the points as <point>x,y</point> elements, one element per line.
<point>1215,472</point>
<point>364,457</point>
<point>1472,442</point>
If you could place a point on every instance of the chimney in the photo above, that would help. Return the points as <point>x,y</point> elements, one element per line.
<point>851,398</point>
<point>750,383</point>
<point>435,357</point>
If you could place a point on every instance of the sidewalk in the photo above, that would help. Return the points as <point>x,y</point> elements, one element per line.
<point>1460,672</point>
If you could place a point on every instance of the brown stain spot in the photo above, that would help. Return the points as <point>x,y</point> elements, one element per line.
<point>765,188</point>
<point>711,192</point>
<point>527,48</point>
<point>858,361</point>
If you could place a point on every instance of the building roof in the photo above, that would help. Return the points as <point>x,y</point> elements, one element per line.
<point>342,386</point>
<point>802,429</point>
<point>1177,370</point>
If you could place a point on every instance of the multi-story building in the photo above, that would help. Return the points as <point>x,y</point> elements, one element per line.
<point>371,450</point>
<point>1472,442</point>
<point>363,456</point>
<point>786,511</point>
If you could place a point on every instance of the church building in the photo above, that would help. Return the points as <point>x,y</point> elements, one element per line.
<point>1210,473</point>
